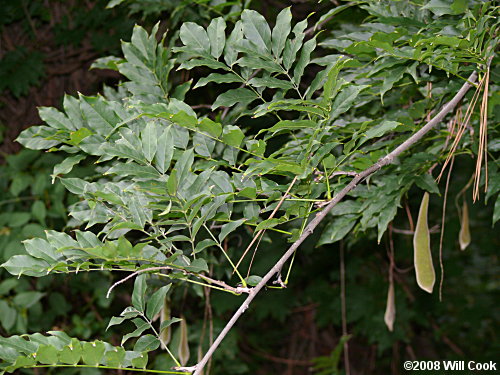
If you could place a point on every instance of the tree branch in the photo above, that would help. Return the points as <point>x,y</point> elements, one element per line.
<point>320,216</point>
<point>209,280</point>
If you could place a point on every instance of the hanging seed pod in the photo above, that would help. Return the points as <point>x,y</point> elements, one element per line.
<point>424,269</point>
<point>390,309</point>
<point>464,235</point>
<point>183,343</point>
<point>166,333</point>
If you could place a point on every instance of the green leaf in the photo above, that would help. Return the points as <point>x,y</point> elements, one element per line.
<point>281,31</point>
<point>304,60</point>
<point>155,303</point>
<point>217,36</point>
<point>40,248</point>
<point>18,219</point>
<point>229,227</point>
<point>424,268</point>
<point>345,100</point>
<point>19,183</point>
<point>26,265</point>
<point>146,343</point>
<point>19,344</point>
<point>27,299</point>
<point>75,185</point>
<point>71,354</point>
<point>132,169</point>
<point>115,357</point>
<point>195,37</point>
<point>113,3</point>
<point>337,229</point>
<point>7,285</point>
<point>385,217</point>
<point>293,46</point>
<point>230,52</point>
<point>149,140</point>
<point>165,151</point>
<point>290,125</point>
<point>55,118</point>
<point>202,245</point>
<point>141,327</point>
<point>172,182</point>
<point>256,63</point>
<point>140,361</point>
<point>93,352</point>
<point>203,145</point>
<point>380,130</point>
<point>66,165</point>
<point>217,78</point>
<point>138,212</point>
<point>183,167</point>
<point>439,7</point>
<point>266,224</point>
<point>47,355</point>
<point>34,138</point>
<point>496,211</point>
<point>233,136</point>
<point>427,183</point>
<point>99,114</point>
<point>331,87</point>
<point>198,265</point>
<point>116,320</point>
<point>231,97</point>
<point>210,127</point>
<point>8,316</point>
<point>169,322</point>
<point>256,29</point>
<point>253,280</point>
<point>270,82</point>
<point>139,293</point>
<point>329,15</point>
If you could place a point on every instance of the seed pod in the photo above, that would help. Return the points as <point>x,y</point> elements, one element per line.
<point>464,235</point>
<point>183,343</point>
<point>390,309</point>
<point>166,333</point>
<point>424,269</point>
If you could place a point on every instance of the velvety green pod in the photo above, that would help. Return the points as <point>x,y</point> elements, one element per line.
<point>424,269</point>
<point>166,333</point>
<point>183,343</point>
<point>464,235</point>
<point>390,309</point>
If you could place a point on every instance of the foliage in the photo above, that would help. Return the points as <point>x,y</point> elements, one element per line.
<point>24,66</point>
<point>182,10</point>
<point>295,115</point>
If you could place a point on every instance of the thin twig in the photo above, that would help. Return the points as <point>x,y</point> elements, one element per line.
<point>320,25</point>
<point>347,173</point>
<point>222,284</point>
<point>441,236</point>
<point>261,232</point>
<point>410,232</point>
<point>321,215</point>
<point>343,308</point>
